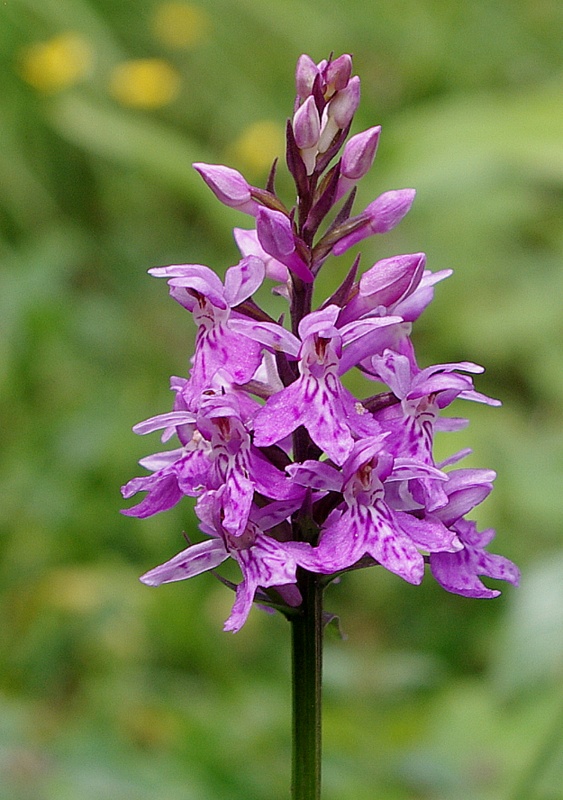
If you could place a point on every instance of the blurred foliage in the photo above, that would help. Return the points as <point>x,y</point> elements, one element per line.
<point>109,689</point>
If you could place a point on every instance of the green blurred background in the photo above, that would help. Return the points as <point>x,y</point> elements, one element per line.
<point>109,689</point>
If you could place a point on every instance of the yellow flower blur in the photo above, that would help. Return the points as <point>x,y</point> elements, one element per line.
<point>56,63</point>
<point>180,25</point>
<point>259,145</point>
<point>145,83</point>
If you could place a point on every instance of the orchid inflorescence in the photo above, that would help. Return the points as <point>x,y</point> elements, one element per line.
<point>291,471</point>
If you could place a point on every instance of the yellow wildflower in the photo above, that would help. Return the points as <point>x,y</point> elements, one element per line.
<point>180,25</point>
<point>258,145</point>
<point>145,83</point>
<point>56,63</point>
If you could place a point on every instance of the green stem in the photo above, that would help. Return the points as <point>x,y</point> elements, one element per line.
<point>307,633</point>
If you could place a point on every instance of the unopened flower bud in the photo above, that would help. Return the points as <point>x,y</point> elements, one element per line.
<point>380,216</point>
<point>337,74</point>
<point>392,279</point>
<point>343,105</point>
<point>357,158</point>
<point>339,112</point>
<point>387,283</point>
<point>305,74</point>
<point>307,129</point>
<point>306,124</point>
<point>359,153</point>
<point>275,235</point>
<point>229,186</point>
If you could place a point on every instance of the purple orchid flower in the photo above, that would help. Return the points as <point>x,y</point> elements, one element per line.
<point>218,347</point>
<point>317,399</point>
<point>412,423</point>
<point>264,561</point>
<point>368,526</point>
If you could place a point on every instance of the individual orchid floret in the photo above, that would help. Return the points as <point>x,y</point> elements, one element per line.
<point>199,289</point>
<point>339,113</point>
<point>368,526</point>
<point>307,129</point>
<point>380,216</point>
<point>264,562</point>
<point>229,186</point>
<point>317,399</point>
<point>412,423</point>
<point>459,572</point>
<point>175,473</point>
<point>357,158</point>
<point>237,465</point>
<point>277,238</point>
<point>440,382</point>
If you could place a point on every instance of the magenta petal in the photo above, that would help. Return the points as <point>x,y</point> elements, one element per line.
<point>236,501</point>
<point>192,561</point>
<point>455,572</point>
<point>269,481</point>
<point>369,343</point>
<point>366,530</point>
<point>428,534</point>
<point>243,279</point>
<point>163,493</point>
<point>268,333</point>
<point>322,413</point>
<point>412,306</point>
<point>267,563</point>
<point>171,419</point>
<point>223,349</point>
<point>279,417</point>
<point>317,475</point>
<point>459,572</point>
<point>194,276</point>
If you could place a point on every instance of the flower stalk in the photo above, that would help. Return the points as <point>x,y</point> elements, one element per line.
<point>306,649</point>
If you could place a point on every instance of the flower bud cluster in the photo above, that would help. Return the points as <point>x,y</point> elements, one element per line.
<point>327,99</point>
<point>290,471</point>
